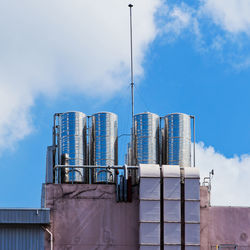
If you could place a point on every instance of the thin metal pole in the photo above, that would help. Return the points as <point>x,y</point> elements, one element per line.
<point>132,79</point>
<point>131,60</point>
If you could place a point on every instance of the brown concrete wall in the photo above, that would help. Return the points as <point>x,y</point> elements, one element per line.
<point>224,225</point>
<point>86,217</point>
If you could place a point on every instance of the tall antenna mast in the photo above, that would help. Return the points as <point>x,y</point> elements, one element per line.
<point>131,70</point>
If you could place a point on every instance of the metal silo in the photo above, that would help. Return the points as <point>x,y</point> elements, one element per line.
<point>146,138</point>
<point>73,145</point>
<point>178,139</point>
<point>104,146</point>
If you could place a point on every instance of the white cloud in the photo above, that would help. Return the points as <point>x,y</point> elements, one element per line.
<point>179,18</point>
<point>232,15</point>
<point>230,184</point>
<point>49,46</point>
<point>221,26</point>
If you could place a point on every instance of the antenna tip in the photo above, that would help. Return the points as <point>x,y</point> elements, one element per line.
<point>130,5</point>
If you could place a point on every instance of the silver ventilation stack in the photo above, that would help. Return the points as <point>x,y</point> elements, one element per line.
<point>128,156</point>
<point>104,146</point>
<point>177,137</point>
<point>146,138</point>
<point>73,145</point>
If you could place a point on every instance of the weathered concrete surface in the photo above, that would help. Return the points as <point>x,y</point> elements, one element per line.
<point>223,225</point>
<point>87,217</point>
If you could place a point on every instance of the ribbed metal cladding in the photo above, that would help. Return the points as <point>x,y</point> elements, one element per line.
<point>178,140</point>
<point>73,142</point>
<point>24,216</point>
<point>104,146</point>
<point>21,229</point>
<point>146,138</point>
<point>21,237</point>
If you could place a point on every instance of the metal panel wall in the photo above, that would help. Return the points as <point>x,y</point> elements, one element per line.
<point>21,216</point>
<point>104,147</point>
<point>172,207</point>
<point>73,142</point>
<point>149,207</point>
<point>178,140</point>
<point>21,237</point>
<point>192,208</point>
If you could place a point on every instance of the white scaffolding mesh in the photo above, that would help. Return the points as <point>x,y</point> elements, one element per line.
<point>149,211</point>
<point>172,211</point>
<point>150,233</point>
<point>192,211</point>
<point>149,207</point>
<point>192,234</point>
<point>172,233</point>
<point>150,188</point>
<point>192,208</point>
<point>172,207</point>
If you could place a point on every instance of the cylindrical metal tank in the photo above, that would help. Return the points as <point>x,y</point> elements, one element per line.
<point>73,145</point>
<point>146,129</point>
<point>104,145</point>
<point>178,139</point>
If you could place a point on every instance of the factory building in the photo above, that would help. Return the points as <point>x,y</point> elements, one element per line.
<point>22,229</point>
<point>153,202</point>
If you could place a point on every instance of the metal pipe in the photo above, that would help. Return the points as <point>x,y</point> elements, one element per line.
<point>125,185</point>
<point>88,155</point>
<point>51,237</point>
<point>54,142</point>
<point>95,166</point>
<point>54,128</point>
<point>160,154</point>
<point>193,118</point>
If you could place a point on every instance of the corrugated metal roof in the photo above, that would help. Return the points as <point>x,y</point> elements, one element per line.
<point>21,237</point>
<point>24,216</point>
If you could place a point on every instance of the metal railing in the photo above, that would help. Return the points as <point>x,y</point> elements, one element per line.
<point>230,247</point>
<point>121,183</point>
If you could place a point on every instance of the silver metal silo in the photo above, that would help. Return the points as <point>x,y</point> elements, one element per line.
<point>104,145</point>
<point>73,145</point>
<point>178,139</point>
<point>146,138</point>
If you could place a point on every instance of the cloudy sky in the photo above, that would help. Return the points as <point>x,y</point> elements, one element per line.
<point>190,56</point>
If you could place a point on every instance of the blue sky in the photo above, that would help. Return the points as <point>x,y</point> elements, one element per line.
<point>190,56</point>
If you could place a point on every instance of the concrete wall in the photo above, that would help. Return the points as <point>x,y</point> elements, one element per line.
<point>86,217</point>
<point>224,225</point>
